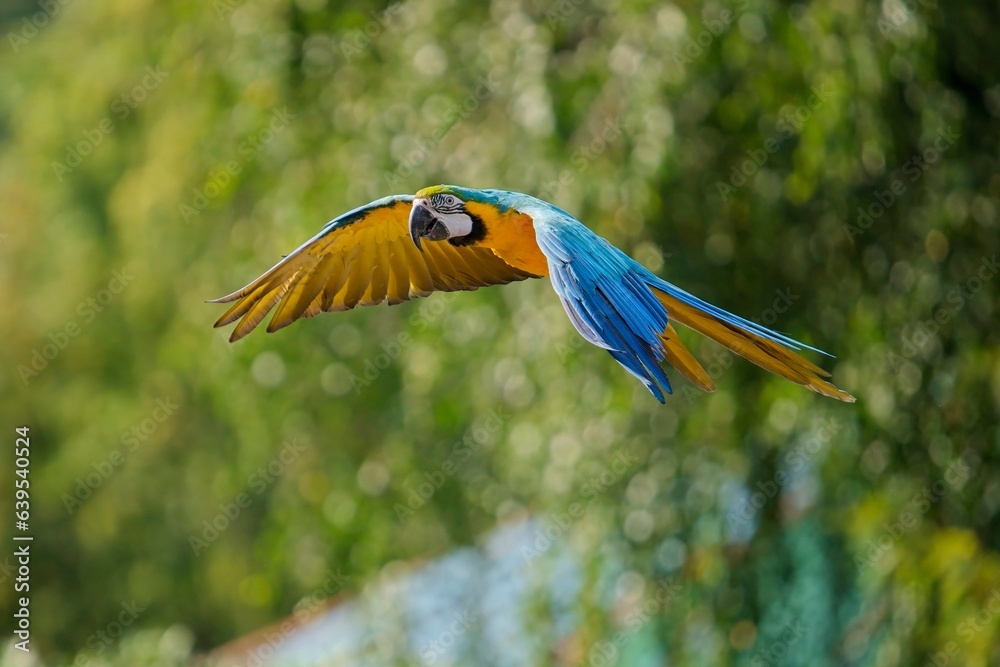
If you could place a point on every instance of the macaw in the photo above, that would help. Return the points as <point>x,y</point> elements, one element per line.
<point>448,238</point>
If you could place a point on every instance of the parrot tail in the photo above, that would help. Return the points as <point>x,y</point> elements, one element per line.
<point>769,350</point>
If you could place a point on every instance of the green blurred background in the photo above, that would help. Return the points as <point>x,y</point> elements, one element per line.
<point>157,154</point>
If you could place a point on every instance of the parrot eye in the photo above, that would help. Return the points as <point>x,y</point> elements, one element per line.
<point>447,203</point>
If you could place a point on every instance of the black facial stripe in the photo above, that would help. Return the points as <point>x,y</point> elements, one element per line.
<point>478,232</point>
<point>441,204</point>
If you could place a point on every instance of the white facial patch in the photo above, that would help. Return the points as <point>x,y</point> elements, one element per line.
<point>458,224</point>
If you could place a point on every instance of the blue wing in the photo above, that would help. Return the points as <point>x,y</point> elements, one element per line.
<point>606,299</point>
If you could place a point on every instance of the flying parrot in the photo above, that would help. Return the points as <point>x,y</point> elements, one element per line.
<point>448,238</point>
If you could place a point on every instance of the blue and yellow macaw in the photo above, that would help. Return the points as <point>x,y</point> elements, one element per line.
<point>448,238</point>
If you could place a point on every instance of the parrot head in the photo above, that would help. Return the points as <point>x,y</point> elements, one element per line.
<point>443,212</point>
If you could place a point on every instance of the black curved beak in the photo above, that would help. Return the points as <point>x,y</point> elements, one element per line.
<point>423,225</point>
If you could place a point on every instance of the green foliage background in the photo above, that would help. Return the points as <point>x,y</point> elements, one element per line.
<point>684,94</point>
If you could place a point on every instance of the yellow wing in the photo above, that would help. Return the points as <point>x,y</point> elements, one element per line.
<point>364,257</point>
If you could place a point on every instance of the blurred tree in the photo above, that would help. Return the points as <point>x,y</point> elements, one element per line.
<point>828,167</point>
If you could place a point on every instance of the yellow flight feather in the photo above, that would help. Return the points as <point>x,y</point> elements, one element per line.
<point>765,353</point>
<point>680,358</point>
